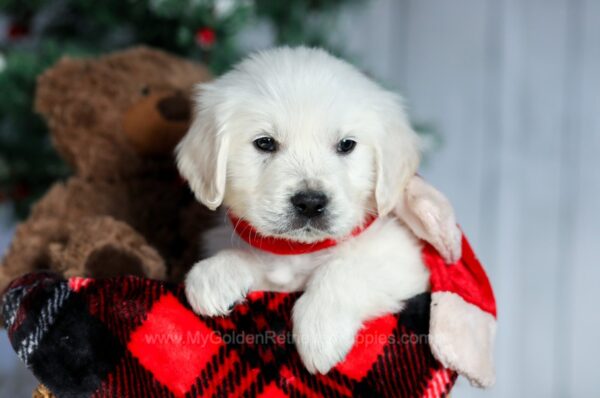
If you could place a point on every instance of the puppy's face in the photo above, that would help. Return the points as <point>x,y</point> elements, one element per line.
<point>299,144</point>
<point>301,169</point>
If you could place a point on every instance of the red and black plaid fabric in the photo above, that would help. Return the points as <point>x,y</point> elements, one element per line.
<point>135,337</point>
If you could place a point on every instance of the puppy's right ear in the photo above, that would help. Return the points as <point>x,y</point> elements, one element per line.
<point>202,154</point>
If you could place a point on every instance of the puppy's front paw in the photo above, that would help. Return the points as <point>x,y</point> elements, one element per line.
<point>214,285</point>
<point>324,334</point>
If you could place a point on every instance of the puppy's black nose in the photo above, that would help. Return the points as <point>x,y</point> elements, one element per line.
<point>309,203</point>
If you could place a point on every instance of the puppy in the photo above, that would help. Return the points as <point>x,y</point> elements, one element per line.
<point>310,158</point>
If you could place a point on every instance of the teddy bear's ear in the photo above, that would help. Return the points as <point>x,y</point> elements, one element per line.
<point>66,101</point>
<point>172,71</point>
<point>70,93</point>
<point>82,102</point>
<point>202,153</point>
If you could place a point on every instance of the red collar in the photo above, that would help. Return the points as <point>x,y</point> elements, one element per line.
<point>283,246</point>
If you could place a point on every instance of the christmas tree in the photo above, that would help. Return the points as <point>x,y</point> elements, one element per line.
<point>38,32</point>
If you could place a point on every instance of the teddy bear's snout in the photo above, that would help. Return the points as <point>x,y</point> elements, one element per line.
<point>156,123</point>
<point>174,108</point>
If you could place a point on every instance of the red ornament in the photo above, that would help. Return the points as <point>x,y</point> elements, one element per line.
<point>206,37</point>
<point>17,31</point>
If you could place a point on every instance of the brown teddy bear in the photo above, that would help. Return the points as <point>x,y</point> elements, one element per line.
<point>115,120</point>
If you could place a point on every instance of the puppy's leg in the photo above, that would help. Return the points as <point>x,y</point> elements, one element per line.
<point>339,298</point>
<point>214,285</point>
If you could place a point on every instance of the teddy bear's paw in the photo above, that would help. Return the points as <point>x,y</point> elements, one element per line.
<point>214,286</point>
<point>323,334</point>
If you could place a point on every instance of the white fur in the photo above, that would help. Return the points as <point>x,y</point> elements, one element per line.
<point>430,216</point>
<point>308,101</point>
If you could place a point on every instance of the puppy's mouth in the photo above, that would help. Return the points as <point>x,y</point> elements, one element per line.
<point>307,230</point>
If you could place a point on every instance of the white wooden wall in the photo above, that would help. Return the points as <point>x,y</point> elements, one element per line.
<point>513,86</point>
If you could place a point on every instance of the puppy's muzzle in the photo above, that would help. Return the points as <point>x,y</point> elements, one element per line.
<point>309,204</point>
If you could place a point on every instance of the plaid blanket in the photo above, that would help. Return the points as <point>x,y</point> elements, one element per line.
<point>135,337</point>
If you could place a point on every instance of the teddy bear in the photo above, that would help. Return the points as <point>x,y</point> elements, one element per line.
<point>115,120</point>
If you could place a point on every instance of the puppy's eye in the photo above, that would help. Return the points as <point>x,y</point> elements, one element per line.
<point>346,146</point>
<point>265,144</point>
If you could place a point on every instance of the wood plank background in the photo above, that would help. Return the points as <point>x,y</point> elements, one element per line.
<point>513,87</point>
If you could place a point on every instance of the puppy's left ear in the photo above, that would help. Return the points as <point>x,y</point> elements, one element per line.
<point>202,154</point>
<point>396,155</point>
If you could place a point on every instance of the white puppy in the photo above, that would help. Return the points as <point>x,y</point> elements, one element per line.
<point>302,148</point>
